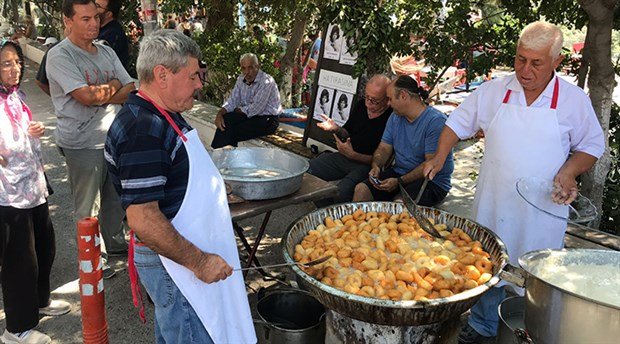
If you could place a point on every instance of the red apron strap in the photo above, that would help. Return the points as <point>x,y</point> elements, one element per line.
<point>556,91</point>
<point>165,114</point>
<point>136,292</point>
<point>507,96</point>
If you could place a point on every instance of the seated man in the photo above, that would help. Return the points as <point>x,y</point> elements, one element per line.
<point>251,110</point>
<point>412,134</point>
<point>356,140</point>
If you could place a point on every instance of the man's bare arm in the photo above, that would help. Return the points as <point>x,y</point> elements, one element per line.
<point>157,233</point>
<point>121,95</point>
<point>381,155</point>
<point>96,94</point>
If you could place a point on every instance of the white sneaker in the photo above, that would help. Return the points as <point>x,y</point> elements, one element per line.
<point>27,337</point>
<point>56,308</point>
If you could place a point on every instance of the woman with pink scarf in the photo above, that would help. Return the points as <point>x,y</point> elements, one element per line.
<point>27,246</point>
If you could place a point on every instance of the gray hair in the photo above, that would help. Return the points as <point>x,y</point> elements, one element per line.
<point>249,56</point>
<point>169,48</point>
<point>540,35</point>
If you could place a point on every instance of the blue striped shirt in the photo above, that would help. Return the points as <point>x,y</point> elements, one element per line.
<point>260,98</point>
<point>146,158</point>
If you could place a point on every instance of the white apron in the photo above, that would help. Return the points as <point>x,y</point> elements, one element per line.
<point>204,219</point>
<point>520,142</point>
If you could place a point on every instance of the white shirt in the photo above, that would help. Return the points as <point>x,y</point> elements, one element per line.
<point>580,130</point>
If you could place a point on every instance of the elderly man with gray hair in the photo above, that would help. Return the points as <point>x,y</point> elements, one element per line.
<point>182,241</point>
<point>536,125</point>
<point>252,109</point>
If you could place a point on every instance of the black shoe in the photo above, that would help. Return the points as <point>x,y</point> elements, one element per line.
<point>469,336</point>
<point>122,253</point>
<point>108,271</point>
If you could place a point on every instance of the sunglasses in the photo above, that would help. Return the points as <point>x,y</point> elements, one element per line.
<point>373,101</point>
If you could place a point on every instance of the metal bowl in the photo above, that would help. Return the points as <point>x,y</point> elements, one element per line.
<point>388,312</point>
<point>260,173</point>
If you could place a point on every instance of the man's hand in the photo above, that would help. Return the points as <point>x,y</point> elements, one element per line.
<point>374,172</point>
<point>432,167</point>
<point>328,124</point>
<point>219,122</point>
<point>36,129</point>
<point>564,188</point>
<point>388,185</point>
<point>212,268</point>
<point>344,147</point>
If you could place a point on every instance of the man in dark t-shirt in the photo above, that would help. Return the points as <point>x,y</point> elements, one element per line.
<point>111,31</point>
<point>356,140</point>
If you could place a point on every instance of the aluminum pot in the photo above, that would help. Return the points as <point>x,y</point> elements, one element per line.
<point>290,316</point>
<point>555,315</point>
<point>388,312</point>
<point>511,327</point>
<point>260,173</point>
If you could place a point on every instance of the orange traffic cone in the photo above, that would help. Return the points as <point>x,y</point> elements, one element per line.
<point>94,323</point>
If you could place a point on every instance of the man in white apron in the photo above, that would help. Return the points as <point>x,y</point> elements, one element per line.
<point>535,124</point>
<point>184,246</point>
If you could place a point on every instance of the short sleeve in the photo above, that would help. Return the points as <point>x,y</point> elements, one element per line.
<point>431,139</point>
<point>143,166</point>
<point>389,130</point>
<point>62,69</point>
<point>464,120</point>
<point>586,134</point>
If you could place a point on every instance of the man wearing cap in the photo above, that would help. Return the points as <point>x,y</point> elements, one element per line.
<point>536,125</point>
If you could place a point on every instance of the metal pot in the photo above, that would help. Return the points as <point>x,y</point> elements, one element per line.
<point>260,173</point>
<point>511,325</point>
<point>388,312</point>
<point>290,316</point>
<point>555,315</point>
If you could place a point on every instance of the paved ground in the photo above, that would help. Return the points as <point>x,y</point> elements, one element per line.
<point>124,324</point>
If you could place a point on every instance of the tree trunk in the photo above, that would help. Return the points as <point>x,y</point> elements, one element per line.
<point>221,13</point>
<point>583,68</point>
<point>288,60</point>
<point>600,84</point>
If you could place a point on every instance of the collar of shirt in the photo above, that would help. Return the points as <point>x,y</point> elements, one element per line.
<point>134,99</point>
<point>515,86</point>
<point>259,77</point>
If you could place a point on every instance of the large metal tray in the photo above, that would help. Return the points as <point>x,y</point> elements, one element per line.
<point>388,312</point>
<point>260,173</point>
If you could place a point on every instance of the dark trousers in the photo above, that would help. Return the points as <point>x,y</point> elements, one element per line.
<point>334,166</point>
<point>27,252</point>
<point>432,195</point>
<point>239,127</point>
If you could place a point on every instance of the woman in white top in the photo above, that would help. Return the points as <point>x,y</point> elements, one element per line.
<point>27,246</point>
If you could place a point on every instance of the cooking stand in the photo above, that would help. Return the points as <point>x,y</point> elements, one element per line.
<point>312,189</point>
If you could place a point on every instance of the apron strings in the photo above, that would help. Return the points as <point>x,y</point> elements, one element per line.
<point>136,292</point>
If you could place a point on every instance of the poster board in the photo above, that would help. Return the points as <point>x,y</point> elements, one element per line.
<point>334,90</point>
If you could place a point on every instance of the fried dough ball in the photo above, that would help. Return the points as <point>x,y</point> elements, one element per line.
<point>389,256</point>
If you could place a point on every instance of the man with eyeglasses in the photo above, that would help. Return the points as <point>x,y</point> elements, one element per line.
<point>111,31</point>
<point>356,140</point>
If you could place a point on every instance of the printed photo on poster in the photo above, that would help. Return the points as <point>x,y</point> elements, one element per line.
<point>342,107</point>
<point>333,42</point>
<point>323,102</point>
<point>347,57</point>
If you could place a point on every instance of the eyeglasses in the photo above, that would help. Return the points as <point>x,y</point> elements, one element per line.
<point>7,65</point>
<point>373,101</point>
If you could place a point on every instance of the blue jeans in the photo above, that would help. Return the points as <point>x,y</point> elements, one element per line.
<point>175,319</point>
<point>484,316</point>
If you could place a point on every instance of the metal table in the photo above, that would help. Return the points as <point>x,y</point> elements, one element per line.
<point>312,189</point>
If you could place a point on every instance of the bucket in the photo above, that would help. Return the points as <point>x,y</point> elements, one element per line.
<point>290,316</point>
<point>511,321</point>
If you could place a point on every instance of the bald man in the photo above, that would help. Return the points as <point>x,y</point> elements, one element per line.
<point>356,140</point>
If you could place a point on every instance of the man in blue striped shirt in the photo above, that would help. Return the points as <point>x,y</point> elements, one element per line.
<point>252,109</point>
